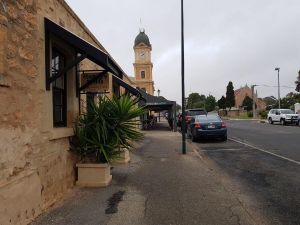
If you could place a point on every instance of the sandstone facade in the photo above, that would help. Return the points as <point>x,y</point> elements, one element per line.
<point>36,167</point>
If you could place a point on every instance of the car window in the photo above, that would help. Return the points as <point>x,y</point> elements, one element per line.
<point>286,111</point>
<point>197,112</point>
<point>207,118</point>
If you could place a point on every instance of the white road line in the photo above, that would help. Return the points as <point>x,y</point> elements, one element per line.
<point>220,149</point>
<point>262,150</point>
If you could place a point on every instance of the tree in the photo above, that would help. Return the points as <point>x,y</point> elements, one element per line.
<point>248,103</point>
<point>210,103</point>
<point>297,82</point>
<point>289,100</point>
<point>222,102</point>
<point>230,98</point>
<point>195,100</point>
<point>178,108</point>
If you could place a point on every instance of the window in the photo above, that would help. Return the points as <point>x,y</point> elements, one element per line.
<point>90,99</point>
<point>59,90</point>
<point>143,74</point>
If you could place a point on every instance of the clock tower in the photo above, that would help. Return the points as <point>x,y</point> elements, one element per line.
<point>142,63</point>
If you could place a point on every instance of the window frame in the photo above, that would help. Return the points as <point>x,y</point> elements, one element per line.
<point>143,74</point>
<point>63,91</point>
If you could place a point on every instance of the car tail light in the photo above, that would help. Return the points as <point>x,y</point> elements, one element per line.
<point>188,119</point>
<point>197,125</point>
<point>223,125</point>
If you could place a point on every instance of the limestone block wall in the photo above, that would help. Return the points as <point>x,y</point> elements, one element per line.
<point>36,167</point>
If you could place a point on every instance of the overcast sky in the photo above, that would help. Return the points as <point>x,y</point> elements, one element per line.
<point>232,40</point>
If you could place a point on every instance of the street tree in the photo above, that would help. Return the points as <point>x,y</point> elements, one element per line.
<point>289,100</point>
<point>248,103</point>
<point>297,82</point>
<point>222,102</point>
<point>230,98</point>
<point>210,103</point>
<point>195,100</point>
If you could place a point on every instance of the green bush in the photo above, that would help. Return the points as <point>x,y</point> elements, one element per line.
<point>106,128</point>
<point>250,114</point>
<point>263,114</point>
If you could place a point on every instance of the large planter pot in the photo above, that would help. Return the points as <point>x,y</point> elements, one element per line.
<point>123,158</point>
<point>93,175</point>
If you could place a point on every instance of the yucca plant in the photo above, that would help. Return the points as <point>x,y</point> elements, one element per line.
<point>106,128</point>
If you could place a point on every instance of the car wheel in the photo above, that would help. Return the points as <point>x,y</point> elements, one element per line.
<point>270,120</point>
<point>282,122</point>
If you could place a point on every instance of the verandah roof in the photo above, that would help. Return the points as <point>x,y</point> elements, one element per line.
<point>86,50</point>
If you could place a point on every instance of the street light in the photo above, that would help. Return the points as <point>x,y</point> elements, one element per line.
<point>182,83</point>
<point>278,69</point>
<point>158,92</point>
<point>253,100</point>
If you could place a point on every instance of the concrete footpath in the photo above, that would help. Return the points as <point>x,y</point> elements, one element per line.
<point>160,186</point>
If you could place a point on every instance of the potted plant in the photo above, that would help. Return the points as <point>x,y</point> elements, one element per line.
<point>101,134</point>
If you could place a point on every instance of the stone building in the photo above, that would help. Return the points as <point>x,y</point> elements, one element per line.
<point>50,65</point>
<point>242,92</point>
<point>142,65</point>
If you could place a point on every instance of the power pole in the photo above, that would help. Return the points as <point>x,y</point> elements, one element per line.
<point>278,69</point>
<point>253,101</point>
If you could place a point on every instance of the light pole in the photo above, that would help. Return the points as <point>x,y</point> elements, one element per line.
<point>158,92</point>
<point>182,83</point>
<point>278,69</point>
<point>253,100</point>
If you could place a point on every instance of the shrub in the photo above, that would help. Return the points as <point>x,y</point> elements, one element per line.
<point>263,114</point>
<point>106,128</point>
<point>250,114</point>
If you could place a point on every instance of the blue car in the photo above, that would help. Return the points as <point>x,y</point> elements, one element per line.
<point>207,126</point>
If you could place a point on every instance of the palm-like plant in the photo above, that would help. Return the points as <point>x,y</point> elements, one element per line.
<point>106,128</point>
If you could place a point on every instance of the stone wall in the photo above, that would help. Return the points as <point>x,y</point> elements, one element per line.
<point>36,167</point>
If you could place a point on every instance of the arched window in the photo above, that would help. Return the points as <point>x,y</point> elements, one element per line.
<point>143,74</point>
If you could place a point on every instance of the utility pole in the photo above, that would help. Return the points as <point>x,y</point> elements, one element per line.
<point>278,69</point>
<point>158,92</point>
<point>182,83</point>
<point>253,101</point>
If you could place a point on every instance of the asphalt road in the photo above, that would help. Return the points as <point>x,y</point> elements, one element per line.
<point>262,164</point>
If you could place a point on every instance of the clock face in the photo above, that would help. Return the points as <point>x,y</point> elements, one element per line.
<point>142,54</point>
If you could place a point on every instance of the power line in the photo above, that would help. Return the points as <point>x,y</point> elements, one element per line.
<point>271,86</point>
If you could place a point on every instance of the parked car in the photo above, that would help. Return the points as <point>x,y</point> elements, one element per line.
<point>189,114</point>
<point>207,126</point>
<point>283,116</point>
<point>298,122</point>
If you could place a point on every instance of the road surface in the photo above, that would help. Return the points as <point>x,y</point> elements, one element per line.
<point>262,162</point>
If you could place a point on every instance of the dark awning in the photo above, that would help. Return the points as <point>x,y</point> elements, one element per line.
<point>128,87</point>
<point>90,51</point>
<point>155,103</point>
